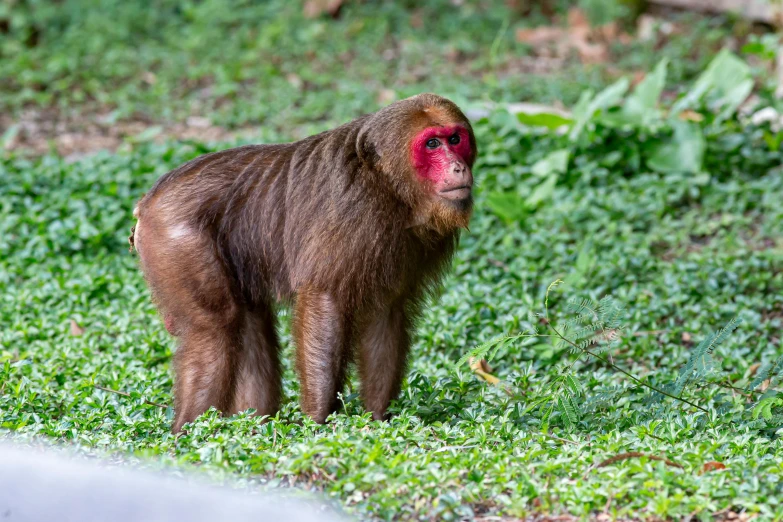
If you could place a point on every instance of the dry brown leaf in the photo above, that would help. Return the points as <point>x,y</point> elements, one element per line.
<point>689,115</point>
<point>590,52</point>
<point>712,465</point>
<point>578,23</point>
<point>753,369</point>
<point>315,8</point>
<point>540,35</point>
<point>625,38</point>
<point>607,32</point>
<point>482,368</point>
<point>76,330</point>
<point>294,80</point>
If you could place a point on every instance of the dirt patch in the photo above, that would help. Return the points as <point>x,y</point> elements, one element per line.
<point>40,131</point>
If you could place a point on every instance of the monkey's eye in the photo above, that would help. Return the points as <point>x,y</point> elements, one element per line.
<point>433,143</point>
<point>454,139</point>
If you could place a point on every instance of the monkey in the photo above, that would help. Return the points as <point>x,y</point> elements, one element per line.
<point>353,228</point>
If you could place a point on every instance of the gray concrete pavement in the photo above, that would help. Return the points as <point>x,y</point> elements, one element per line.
<point>39,486</point>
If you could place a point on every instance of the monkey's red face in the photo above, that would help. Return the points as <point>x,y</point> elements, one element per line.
<point>441,158</point>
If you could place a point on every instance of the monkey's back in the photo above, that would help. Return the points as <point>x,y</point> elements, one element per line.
<point>231,198</point>
<point>307,213</point>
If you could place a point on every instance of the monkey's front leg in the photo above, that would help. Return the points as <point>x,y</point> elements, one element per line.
<point>321,332</point>
<point>383,352</point>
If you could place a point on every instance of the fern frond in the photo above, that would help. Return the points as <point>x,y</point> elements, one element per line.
<point>481,351</point>
<point>568,410</point>
<point>600,348</point>
<point>601,398</point>
<point>764,407</point>
<point>589,330</point>
<point>583,309</point>
<point>772,371</point>
<point>610,311</point>
<point>573,386</point>
<point>584,344</point>
<point>701,362</point>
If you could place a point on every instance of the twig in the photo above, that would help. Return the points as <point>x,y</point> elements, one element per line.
<point>742,391</point>
<point>656,437</point>
<point>125,394</point>
<point>630,455</point>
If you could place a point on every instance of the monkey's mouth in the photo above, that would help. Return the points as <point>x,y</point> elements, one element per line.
<point>456,193</point>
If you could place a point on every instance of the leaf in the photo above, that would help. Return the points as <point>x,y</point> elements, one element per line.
<point>584,263</point>
<point>725,73</point>
<point>9,136</point>
<point>642,105</point>
<point>682,152</point>
<point>543,119</point>
<point>573,386</point>
<point>488,349</point>
<point>147,134</point>
<point>553,163</point>
<point>700,360</point>
<point>766,371</point>
<point>587,106</point>
<point>481,368</point>
<point>509,206</point>
<point>75,329</point>
<point>315,8</point>
<point>764,407</point>
<point>712,465</point>
<point>732,100</point>
<point>542,192</point>
<point>567,411</point>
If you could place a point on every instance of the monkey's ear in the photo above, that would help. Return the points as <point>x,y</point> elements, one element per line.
<point>367,150</point>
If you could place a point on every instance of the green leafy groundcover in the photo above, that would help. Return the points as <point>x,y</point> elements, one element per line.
<point>683,253</point>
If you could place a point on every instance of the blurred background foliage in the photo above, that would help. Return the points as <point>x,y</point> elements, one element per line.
<point>285,64</point>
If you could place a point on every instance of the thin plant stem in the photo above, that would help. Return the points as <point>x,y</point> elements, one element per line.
<point>627,374</point>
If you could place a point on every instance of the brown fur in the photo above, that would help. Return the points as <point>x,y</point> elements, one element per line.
<point>338,223</point>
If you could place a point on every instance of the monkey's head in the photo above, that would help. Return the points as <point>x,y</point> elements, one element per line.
<point>426,147</point>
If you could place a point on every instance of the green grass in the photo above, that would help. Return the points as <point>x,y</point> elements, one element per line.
<point>684,254</point>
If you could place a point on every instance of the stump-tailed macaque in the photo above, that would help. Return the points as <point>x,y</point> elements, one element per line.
<point>352,227</point>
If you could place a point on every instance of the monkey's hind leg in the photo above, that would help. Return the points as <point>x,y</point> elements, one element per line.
<point>205,370</point>
<point>192,291</point>
<point>258,383</point>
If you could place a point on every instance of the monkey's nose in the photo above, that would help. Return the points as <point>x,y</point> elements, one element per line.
<point>461,176</point>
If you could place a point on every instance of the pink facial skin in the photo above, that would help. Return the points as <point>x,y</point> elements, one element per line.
<point>445,167</point>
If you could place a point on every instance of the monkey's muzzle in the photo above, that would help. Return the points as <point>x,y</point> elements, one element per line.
<point>456,193</point>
